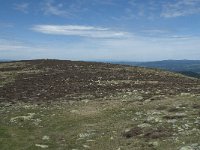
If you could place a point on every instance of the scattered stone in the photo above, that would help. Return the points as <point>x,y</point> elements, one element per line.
<point>172,121</point>
<point>91,140</point>
<point>157,133</point>
<point>24,118</point>
<point>85,101</point>
<point>138,113</point>
<point>180,129</point>
<point>45,137</point>
<point>71,102</point>
<point>37,121</point>
<point>191,147</point>
<point>176,116</point>
<point>85,135</point>
<point>185,94</point>
<point>129,133</point>
<point>162,107</point>
<point>139,98</point>
<point>8,105</point>
<point>74,111</point>
<point>154,144</point>
<point>134,119</point>
<point>41,146</point>
<point>144,125</point>
<point>155,119</point>
<point>157,97</point>
<point>86,146</point>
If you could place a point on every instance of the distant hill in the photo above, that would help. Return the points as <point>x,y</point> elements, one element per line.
<point>55,79</point>
<point>5,60</point>
<point>186,67</point>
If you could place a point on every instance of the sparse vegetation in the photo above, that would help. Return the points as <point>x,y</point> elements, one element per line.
<point>111,107</point>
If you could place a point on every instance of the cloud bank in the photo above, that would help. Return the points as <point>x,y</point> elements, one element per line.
<point>180,8</point>
<point>82,31</point>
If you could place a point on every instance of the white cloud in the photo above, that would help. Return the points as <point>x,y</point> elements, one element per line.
<point>11,45</point>
<point>180,8</point>
<point>137,48</point>
<point>82,31</point>
<point>64,9</point>
<point>155,9</point>
<point>23,7</point>
<point>52,8</point>
<point>156,32</point>
<point>144,48</point>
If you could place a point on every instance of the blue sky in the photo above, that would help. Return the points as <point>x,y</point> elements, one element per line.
<point>128,30</point>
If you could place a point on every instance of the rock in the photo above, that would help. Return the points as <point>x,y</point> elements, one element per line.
<point>144,125</point>
<point>172,121</point>
<point>140,98</point>
<point>24,118</point>
<point>45,137</point>
<point>85,135</point>
<point>186,148</point>
<point>74,111</point>
<point>37,121</point>
<point>8,105</point>
<point>71,102</point>
<point>157,133</point>
<point>128,133</point>
<point>185,94</point>
<point>194,146</point>
<point>147,101</point>
<point>86,146</point>
<point>41,146</point>
<point>85,101</point>
<point>138,113</point>
<point>91,140</point>
<point>155,143</point>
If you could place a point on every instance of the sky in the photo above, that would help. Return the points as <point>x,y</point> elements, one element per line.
<point>117,30</point>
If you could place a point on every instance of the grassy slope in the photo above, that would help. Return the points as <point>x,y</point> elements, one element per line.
<point>159,122</point>
<point>100,124</point>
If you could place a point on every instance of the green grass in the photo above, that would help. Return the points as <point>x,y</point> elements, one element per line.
<point>99,125</point>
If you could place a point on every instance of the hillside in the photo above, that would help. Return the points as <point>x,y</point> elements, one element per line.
<point>57,104</point>
<point>185,67</point>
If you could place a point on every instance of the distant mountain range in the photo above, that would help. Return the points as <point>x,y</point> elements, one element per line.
<point>187,67</point>
<point>5,60</point>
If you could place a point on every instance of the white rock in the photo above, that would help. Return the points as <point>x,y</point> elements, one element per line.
<point>172,121</point>
<point>41,146</point>
<point>155,143</point>
<point>85,101</point>
<point>45,137</point>
<point>28,117</point>
<point>144,125</point>
<point>186,148</point>
<point>74,111</point>
<point>86,146</point>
